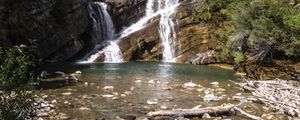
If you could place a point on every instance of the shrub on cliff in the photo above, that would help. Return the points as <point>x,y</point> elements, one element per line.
<point>263,29</point>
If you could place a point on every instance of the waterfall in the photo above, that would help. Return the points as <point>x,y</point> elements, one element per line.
<point>164,10</point>
<point>108,24</point>
<point>111,52</point>
<point>166,29</point>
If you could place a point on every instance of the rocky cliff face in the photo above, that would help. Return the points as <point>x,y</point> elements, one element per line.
<point>60,27</point>
<point>126,12</point>
<point>192,44</point>
<point>65,28</point>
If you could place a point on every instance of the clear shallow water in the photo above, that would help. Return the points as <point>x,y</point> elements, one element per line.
<point>169,92</point>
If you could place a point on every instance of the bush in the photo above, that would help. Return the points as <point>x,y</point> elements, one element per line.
<point>16,105</point>
<point>17,66</point>
<point>238,57</point>
<point>262,28</point>
<point>16,72</point>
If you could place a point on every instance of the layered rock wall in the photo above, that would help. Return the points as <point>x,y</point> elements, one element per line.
<point>192,39</point>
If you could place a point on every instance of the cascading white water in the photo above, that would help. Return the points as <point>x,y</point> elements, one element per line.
<point>112,51</point>
<point>108,24</point>
<point>165,10</point>
<point>166,28</point>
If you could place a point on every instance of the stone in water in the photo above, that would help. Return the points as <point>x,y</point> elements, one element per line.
<point>108,88</point>
<point>107,96</point>
<point>152,102</point>
<point>189,85</point>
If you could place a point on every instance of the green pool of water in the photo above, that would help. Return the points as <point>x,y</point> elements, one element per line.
<point>131,97</point>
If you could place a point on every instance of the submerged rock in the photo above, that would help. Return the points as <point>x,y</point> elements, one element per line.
<point>163,107</point>
<point>154,81</point>
<point>214,83</point>
<point>189,85</point>
<point>138,81</point>
<point>145,109</point>
<point>107,96</point>
<point>128,93</point>
<point>66,93</point>
<point>152,102</point>
<point>53,101</point>
<point>78,73</point>
<point>42,114</point>
<point>109,88</point>
<point>210,97</point>
<point>84,108</point>
<point>71,79</point>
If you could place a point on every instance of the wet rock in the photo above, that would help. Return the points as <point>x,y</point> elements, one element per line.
<point>128,93</point>
<point>189,85</point>
<point>51,105</point>
<point>206,116</point>
<point>154,81</point>
<point>132,88</point>
<point>267,116</point>
<point>86,83</point>
<point>163,107</point>
<point>42,114</point>
<point>108,88</point>
<point>166,88</point>
<point>152,101</point>
<point>53,102</point>
<point>92,84</point>
<point>138,81</point>
<point>214,83</point>
<point>115,98</point>
<point>67,93</point>
<point>45,96</point>
<point>84,109</point>
<point>210,97</point>
<point>220,90</point>
<point>78,73</point>
<point>71,79</point>
<point>123,95</point>
<point>145,109</point>
<point>115,93</point>
<point>67,103</point>
<point>238,98</point>
<point>40,118</point>
<point>107,96</point>
<point>46,109</point>
<point>62,116</point>
<point>44,105</point>
<point>207,91</point>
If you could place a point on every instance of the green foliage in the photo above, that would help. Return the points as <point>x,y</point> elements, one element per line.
<point>16,68</point>
<point>211,10</point>
<point>259,27</point>
<point>15,106</point>
<point>16,71</point>
<point>238,57</point>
